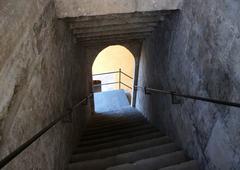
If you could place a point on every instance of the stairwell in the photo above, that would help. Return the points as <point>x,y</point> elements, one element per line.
<point>125,140</point>
<point>186,83</point>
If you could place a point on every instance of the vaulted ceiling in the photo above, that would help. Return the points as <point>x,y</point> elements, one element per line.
<point>113,28</point>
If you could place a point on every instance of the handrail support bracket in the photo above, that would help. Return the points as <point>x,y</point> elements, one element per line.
<point>85,103</point>
<point>175,99</point>
<point>146,92</point>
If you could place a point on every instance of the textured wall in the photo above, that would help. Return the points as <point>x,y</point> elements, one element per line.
<point>41,75</point>
<point>197,52</point>
<point>76,8</point>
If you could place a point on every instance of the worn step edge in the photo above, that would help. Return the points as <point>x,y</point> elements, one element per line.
<point>128,157</point>
<point>117,137</point>
<point>117,131</point>
<point>121,149</point>
<point>153,163</point>
<point>109,129</point>
<point>118,143</point>
<point>123,112</point>
<point>121,131</point>
<point>113,118</point>
<point>117,124</point>
<point>107,120</point>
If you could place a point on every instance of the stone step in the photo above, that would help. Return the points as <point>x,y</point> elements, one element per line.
<point>120,132</point>
<point>117,137</point>
<point>113,116</point>
<point>109,122</point>
<point>120,123</point>
<point>120,149</point>
<point>102,121</point>
<point>108,101</point>
<point>113,123</point>
<point>118,142</point>
<point>115,128</point>
<point>153,163</point>
<point>190,165</point>
<point>123,112</point>
<point>105,117</point>
<point>127,142</point>
<point>101,164</point>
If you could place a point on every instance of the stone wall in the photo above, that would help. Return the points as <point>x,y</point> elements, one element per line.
<point>196,51</point>
<point>76,8</point>
<point>41,75</point>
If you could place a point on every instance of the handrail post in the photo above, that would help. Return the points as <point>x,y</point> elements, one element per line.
<point>146,91</point>
<point>174,99</point>
<point>120,72</point>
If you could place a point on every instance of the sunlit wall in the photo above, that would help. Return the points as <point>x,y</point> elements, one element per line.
<point>111,59</point>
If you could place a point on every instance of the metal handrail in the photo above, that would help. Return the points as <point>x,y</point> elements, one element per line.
<point>205,99</point>
<point>119,82</point>
<point>114,72</point>
<point>105,84</point>
<point>100,74</point>
<point>127,75</point>
<point>126,85</point>
<point>24,146</point>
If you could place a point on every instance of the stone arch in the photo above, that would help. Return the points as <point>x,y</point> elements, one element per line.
<point>133,46</point>
<point>115,46</point>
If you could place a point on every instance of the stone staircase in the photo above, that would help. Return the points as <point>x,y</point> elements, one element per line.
<point>124,140</point>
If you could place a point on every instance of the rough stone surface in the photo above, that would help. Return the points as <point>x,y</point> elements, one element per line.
<point>197,52</point>
<point>41,75</point>
<point>112,27</point>
<point>76,8</point>
<point>112,141</point>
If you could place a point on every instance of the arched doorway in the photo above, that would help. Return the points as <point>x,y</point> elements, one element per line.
<point>113,69</point>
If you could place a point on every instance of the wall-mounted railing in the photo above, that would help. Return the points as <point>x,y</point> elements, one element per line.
<point>119,82</point>
<point>24,146</point>
<point>149,91</point>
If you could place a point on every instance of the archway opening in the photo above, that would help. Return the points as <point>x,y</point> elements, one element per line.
<point>113,69</point>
